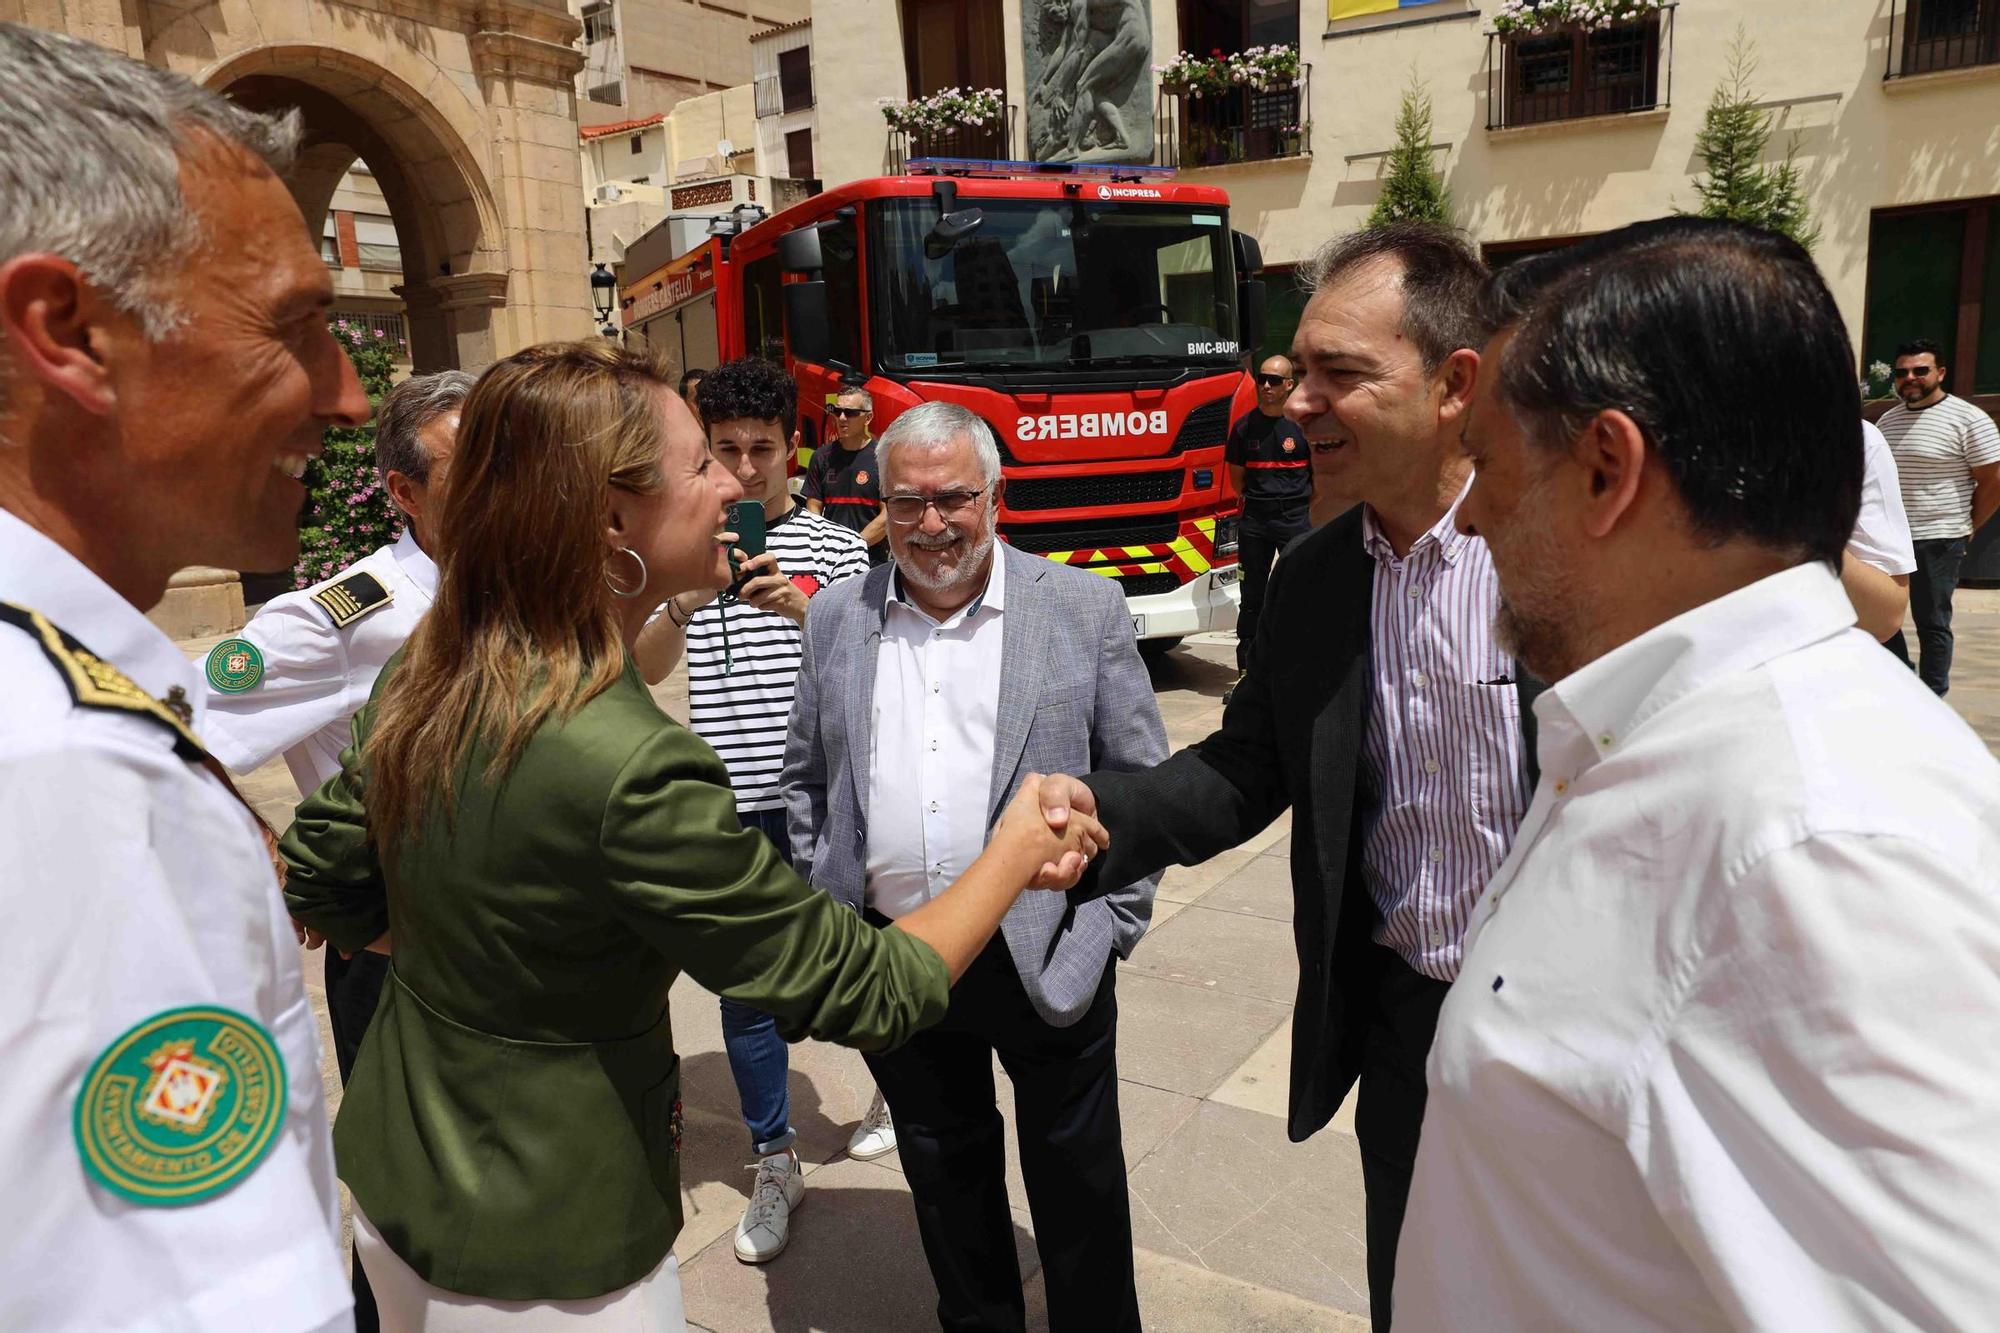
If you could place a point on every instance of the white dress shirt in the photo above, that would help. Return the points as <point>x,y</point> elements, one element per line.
<point>1443,744</point>
<point>937,704</point>
<point>1723,1049</point>
<point>1882,530</point>
<point>318,674</point>
<point>133,883</point>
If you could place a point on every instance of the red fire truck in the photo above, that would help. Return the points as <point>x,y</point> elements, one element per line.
<point>1097,319</point>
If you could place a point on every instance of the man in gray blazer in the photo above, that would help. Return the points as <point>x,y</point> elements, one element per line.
<point>929,689</point>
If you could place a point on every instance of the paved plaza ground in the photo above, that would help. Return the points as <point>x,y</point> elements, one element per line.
<point>1237,1228</point>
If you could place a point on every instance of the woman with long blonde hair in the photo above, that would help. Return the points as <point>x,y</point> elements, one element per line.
<point>545,851</point>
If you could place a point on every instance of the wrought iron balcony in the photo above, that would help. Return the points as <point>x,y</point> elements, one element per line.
<point>1239,124</point>
<point>1571,72</point>
<point>1928,36</point>
<point>993,140</point>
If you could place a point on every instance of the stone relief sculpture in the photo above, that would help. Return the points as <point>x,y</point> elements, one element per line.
<point>1090,91</point>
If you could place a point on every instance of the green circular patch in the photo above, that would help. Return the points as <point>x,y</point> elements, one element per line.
<point>235,665</point>
<point>181,1107</point>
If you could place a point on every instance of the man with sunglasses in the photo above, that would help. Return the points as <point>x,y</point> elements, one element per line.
<point>842,480</point>
<point>929,689</point>
<point>1270,465</point>
<point>1948,460</point>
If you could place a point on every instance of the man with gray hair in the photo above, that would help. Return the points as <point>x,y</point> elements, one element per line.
<point>165,375</point>
<point>292,681</point>
<point>967,658</point>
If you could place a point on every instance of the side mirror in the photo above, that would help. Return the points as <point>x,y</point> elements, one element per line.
<point>1249,255</point>
<point>798,251</point>
<point>950,230</point>
<point>1250,315</point>
<point>808,325</point>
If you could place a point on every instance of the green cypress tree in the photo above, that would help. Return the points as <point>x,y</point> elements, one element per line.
<point>1413,190</point>
<point>348,513</point>
<point>1734,134</point>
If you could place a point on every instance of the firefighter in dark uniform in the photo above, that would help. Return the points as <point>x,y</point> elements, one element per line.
<point>842,481</point>
<point>1271,467</point>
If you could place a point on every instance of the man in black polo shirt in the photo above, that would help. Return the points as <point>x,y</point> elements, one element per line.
<point>841,481</point>
<point>1271,468</point>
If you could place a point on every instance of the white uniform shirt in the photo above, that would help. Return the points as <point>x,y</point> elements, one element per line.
<point>937,707</point>
<point>1882,531</point>
<point>132,883</point>
<point>1722,1050</point>
<point>317,674</point>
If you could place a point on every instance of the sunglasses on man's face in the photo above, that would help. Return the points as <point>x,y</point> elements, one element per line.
<point>849,412</point>
<point>1273,381</point>
<point>1921,372</point>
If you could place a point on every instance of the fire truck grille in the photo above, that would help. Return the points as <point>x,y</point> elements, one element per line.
<point>1091,535</point>
<point>1206,427</point>
<point>1129,488</point>
<point>1146,585</point>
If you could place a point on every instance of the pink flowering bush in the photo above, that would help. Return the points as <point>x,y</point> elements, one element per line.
<point>348,514</point>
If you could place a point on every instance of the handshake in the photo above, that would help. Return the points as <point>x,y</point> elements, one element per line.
<point>1051,823</point>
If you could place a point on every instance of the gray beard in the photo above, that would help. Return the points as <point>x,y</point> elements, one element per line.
<point>963,572</point>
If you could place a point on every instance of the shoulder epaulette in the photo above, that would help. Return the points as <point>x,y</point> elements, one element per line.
<point>353,597</point>
<point>95,683</point>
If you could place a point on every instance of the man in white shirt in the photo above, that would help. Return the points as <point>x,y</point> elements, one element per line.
<point>1720,1051</point>
<point>292,680</point>
<point>165,373</point>
<point>1880,557</point>
<point>1948,459</point>
<point>929,689</point>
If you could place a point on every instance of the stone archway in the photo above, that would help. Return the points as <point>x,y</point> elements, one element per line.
<point>448,227</point>
<point>465,116</point>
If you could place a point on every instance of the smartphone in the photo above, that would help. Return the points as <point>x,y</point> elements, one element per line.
<point>746,520</point>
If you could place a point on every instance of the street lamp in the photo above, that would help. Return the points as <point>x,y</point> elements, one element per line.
<point>603,292</point>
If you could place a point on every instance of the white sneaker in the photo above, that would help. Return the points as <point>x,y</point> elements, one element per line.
<point>876,1135</point>
<point>767,1222</point>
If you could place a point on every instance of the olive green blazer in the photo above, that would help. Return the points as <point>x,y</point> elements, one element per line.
<point>512,1127</point>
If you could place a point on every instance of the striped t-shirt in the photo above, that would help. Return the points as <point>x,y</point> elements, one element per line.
<point>744,712</point>
<point>1936,448</point>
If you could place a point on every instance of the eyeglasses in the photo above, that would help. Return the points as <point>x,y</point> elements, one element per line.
<point>1903,372</point>
<point>848,412</point>
<point>1273,381</point>
<point>909,509</point>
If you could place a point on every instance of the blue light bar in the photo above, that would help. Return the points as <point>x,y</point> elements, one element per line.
<point>953,166</point>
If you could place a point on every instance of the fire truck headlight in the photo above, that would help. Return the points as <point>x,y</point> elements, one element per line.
<point>1225,538</point>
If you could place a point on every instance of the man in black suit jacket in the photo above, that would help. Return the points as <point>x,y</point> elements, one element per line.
<point>1408,764</point>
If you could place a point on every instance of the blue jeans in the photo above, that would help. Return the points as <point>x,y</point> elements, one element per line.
<point>757,1055</point>
<point>1931,587</point>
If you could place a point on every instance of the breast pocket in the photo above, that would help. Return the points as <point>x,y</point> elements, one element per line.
<point>1492,719</point>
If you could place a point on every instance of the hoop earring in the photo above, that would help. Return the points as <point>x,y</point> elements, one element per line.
<point>640,587</point>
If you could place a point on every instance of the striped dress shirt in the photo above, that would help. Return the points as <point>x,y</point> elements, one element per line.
<point>1443,754</point>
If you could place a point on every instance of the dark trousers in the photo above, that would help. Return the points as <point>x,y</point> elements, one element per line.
<point>1931,587</point>
<point>1391,1112</point>
<point>353,990</point>
<point>952,1141</point>
<point>1257,550</point>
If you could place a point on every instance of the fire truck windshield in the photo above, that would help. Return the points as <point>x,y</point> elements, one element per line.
<point>1051,283</point>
